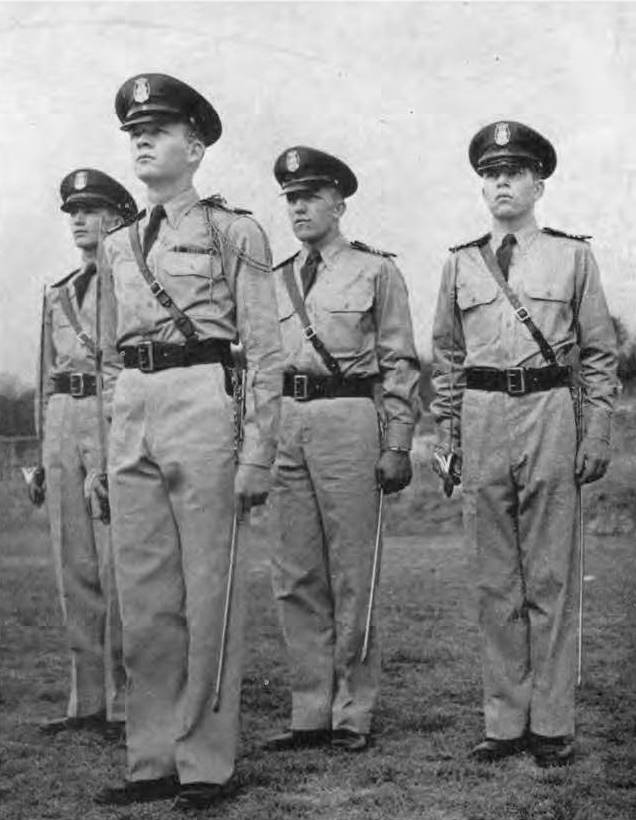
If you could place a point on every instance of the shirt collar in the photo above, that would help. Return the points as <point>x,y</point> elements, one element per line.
<point>524,236</point>
<point>177,207</point>
<point>328,253</point>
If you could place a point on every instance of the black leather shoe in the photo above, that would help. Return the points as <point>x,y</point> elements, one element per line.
<point>491,749</point>
<point>92,723</point>
<point>552,751</point>
<point>194,796</point>
<point>349,740</point>
<point>138,791</point>
<point>298,739</point>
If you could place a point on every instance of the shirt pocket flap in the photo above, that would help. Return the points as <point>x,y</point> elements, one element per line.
<point>187,263</point>
<point>349,300</point>
<point>553,289</point>
<point>473,291</point>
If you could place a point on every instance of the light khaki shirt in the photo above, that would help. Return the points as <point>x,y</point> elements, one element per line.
<point>63,351</point>
<point>359,307</point>
<point>216,266</point>
<point>557,279</point>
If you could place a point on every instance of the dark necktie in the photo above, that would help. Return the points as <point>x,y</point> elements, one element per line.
<point>504,253</point>
<point>152,228</point>
<point>82,282</point>
<point>309,270</point>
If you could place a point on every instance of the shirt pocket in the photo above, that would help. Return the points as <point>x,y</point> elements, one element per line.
<point>549,301</point>
<point>197,263</point>
<point>346,319</point>
<point>477,298</point>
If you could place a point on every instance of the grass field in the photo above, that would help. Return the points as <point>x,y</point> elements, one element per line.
<point>428,716</point>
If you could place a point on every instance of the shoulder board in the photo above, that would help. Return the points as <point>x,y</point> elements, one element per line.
<point>476,243</point>
<point>136,218</point>
<point>286,261</point>
<point>65,279</point>
<point>217,201</point>
<point>579,237</point>
<point>361,246</point>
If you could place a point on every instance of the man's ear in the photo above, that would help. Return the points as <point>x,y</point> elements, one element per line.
<point>539,188</point>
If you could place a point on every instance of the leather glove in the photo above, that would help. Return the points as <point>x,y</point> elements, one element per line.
<point>447,463</point>
<point>35,478</point>
<point>96,494</point>
<point>592,459</point>
<point>251,487</point>
<point>393,471</point>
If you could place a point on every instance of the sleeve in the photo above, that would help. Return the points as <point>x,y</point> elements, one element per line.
<point>46,362</point>
<point>247,260</point>
<point>111,360</point>
<point>397,358</point>
<point>449,352</point>
<point>597,345</point>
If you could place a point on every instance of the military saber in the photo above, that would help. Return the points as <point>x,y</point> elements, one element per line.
<point>239,387</point>
<point>104,503</point>
<point>579,508</point>
<point>375,577</point>
<point>35,476</point>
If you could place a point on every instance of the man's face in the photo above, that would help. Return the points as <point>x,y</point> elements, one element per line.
<point>511,191</point>
<point>162,151</point>
<point>314,215</point>
<point>88,221</point>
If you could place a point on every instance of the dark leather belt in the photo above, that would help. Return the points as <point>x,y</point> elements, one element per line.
<point>517,381</point>
<point>303,387</point>
<point>78,385</point>
<point>151,356</point>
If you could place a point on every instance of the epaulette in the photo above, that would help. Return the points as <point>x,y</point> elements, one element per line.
<point>65,279</point>
<point>579,237</point>
<point>361,246</point>
<point>136,218</point>
<point>476,243</point>
<point>286,261</point>
<point>217,201</point>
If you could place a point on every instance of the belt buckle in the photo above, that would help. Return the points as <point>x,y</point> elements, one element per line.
<point>300,387</point>
<point>145,357</point>
<point>522,314</point>
<point>515,381</point>
<point>76,385</point>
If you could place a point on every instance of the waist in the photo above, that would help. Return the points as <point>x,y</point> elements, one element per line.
<point>76,384</point>
<point>517,381</point>
<point>151,356</point>
<point>305,387</point>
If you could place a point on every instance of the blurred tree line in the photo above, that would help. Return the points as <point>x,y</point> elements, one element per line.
<point>17,401</point>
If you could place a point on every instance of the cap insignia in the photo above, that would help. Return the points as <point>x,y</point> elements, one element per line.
<point>80,181</point>
<point>293,161</point>
<point>502,133</point>
<point>141,90</point>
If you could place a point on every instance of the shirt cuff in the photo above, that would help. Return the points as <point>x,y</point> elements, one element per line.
<point>398,436</point>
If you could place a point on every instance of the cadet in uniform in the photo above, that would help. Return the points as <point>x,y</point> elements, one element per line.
<point>512,305</point>
<point>355,335</point>
<point>190,276</point>
<point>73,458</point>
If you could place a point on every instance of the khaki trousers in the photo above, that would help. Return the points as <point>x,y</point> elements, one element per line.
<point>520,515</point>
<point>172,493</point>
<point>82,556</point>
<point>321,568</point>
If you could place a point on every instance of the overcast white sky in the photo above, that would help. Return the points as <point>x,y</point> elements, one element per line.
<point>395,89</point>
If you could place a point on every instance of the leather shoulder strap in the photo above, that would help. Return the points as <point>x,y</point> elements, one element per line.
<point>71,315</point>
<point>180,319</point>
<point>521,312</point>
<point>299,306</point>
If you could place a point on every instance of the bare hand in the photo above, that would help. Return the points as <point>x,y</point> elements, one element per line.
<point>393,471</point>
<point>592,460</point>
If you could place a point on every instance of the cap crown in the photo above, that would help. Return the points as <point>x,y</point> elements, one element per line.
<point>90,186</point>
<point>510,141</point>
<point>303,168</point>
<point>148,97</point>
